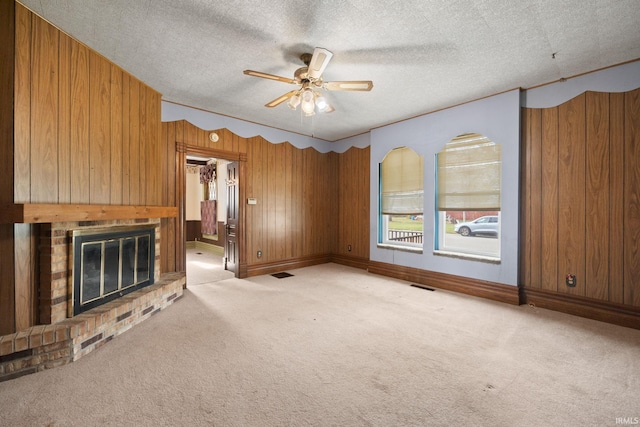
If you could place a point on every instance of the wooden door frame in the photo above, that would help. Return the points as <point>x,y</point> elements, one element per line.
<point>182,151</point>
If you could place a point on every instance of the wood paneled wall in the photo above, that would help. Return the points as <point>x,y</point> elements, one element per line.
<point>295,215</point>
<point>581,197</point>
<point>353,205</point>
<point>7,70</point>
<point>310,206</point>
<point>85,130</point>
<point>77,130</point>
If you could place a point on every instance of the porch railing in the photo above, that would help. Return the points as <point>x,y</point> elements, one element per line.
<point>405,236</point>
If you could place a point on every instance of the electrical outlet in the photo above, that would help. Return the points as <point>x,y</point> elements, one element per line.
<point>259,254</point>
<point>571,280</point>
<point>349,248</point>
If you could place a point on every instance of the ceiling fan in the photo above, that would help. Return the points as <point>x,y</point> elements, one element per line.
<point>309,78</point>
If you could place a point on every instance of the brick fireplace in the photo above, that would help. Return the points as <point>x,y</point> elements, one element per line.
<point>62,337</point>
<point>56,260</point>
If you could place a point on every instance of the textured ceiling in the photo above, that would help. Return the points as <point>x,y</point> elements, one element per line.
<point>421,55</point>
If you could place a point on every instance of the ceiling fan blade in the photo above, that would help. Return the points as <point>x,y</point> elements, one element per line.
<point>319,62</point>
<point>364,85</point>
<point>279,100</point>
<point>269,76</point>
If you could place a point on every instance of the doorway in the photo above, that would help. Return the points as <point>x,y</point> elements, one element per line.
<point>210,225</point>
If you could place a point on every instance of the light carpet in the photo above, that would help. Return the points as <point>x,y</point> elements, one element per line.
<point>337,346</point>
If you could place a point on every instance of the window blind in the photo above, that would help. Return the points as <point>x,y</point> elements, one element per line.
<point>469,174</point>
<point>402,175</point>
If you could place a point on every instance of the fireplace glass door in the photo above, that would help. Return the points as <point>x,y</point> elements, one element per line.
<point>110,263</point>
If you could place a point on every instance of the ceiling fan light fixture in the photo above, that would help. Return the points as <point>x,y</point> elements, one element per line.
<point>321,103</point>
<point>294,101</point>
<point>307,104</point>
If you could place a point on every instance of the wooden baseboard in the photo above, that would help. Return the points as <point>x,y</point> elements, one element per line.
<point>351,261</point>
<point>278,266</point>
<point>464,285</point>
<point>618,314</point>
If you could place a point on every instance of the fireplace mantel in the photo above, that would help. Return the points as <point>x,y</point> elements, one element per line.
<point>38,213</point>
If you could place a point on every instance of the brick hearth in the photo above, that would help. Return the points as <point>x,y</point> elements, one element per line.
<point>59,338</point>
<point>47,346</point>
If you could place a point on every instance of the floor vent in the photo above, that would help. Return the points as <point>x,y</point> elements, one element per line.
<point>423,287</point>
<point>282,275</point>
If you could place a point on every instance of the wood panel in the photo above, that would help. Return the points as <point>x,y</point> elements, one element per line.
<point>7,74</point>
<point>7,284</point>
<point>22,107</point>
<point>280,201</point>
<point>364,203</point>
<point>64,119</point>
<point>616,197</point>
<point>571,181</point>
<point>597,196</point>
<point>269,196</point>
<point>99,130</point>
<point>143,155</point>
<point>548,193</point>
<point>116,140</point>
<point>154,192</point>
<point>297,203</point>
<point>44,108</point>
<point>80,118</point>
<point>7,77</point>
<point>288,201</point>
<point>134,142</point>
<point>168,174</point>
<point>126,140</point>
<point>632,198</point>
<point>25,250</point>
<point>255,214</point>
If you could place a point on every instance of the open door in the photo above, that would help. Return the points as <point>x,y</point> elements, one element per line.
<point>231,227</point>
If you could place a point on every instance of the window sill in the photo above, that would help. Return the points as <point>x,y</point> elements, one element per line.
<point>482,258</point>
<point>400,248</point>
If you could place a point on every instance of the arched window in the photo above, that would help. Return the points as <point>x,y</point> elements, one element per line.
<point>401,198</point>
<point>468,196</point>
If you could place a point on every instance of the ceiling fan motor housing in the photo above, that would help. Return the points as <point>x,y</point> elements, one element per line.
<point>301,75</point>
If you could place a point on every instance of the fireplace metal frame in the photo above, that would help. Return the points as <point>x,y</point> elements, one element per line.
<point>80,237</point>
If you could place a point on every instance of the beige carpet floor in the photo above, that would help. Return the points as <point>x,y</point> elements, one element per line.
<point>205,267</point>
<point>336,346</point>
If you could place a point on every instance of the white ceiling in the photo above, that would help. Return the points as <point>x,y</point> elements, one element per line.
<point>422,55</point>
